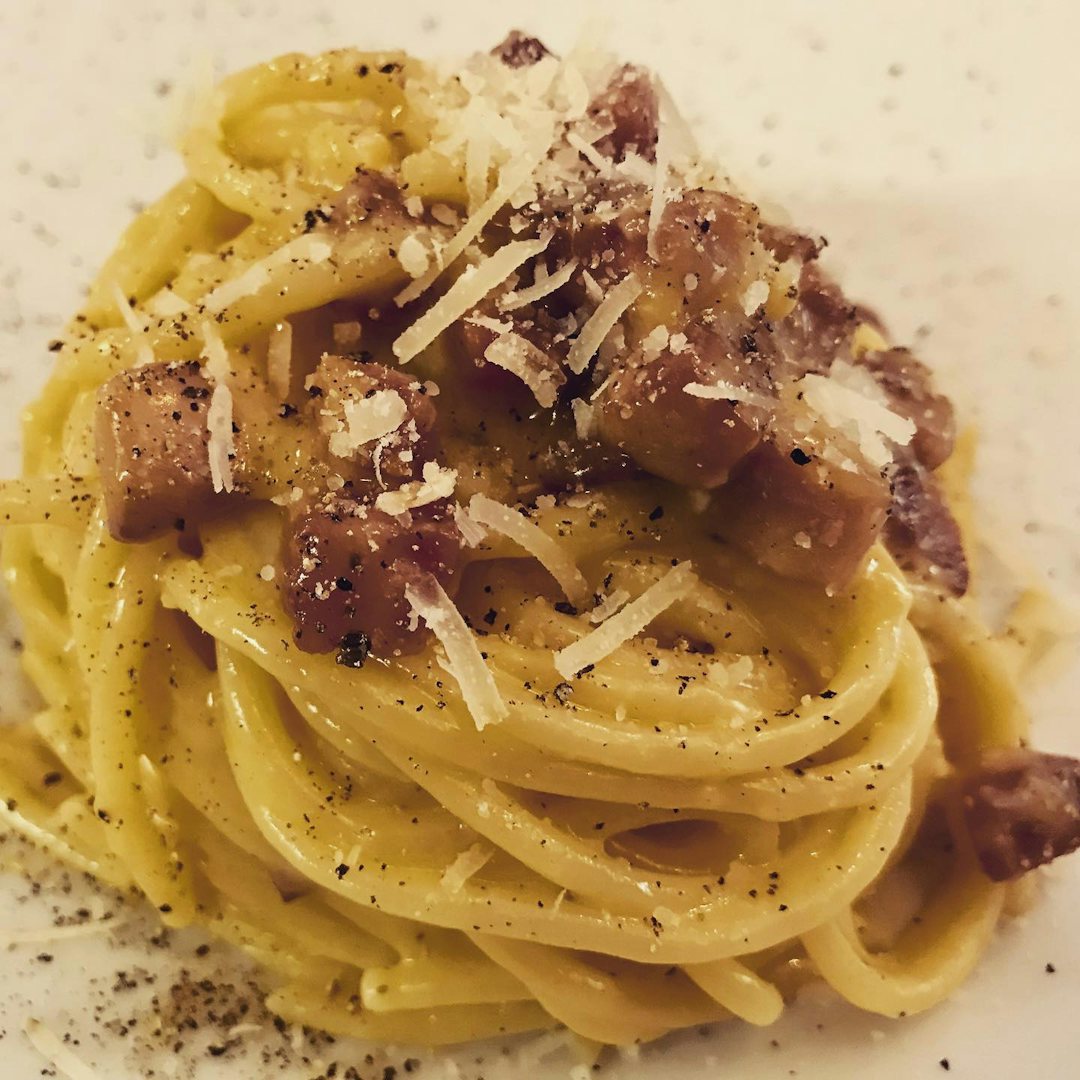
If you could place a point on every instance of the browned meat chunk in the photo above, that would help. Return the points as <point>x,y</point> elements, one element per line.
<point>921,532</point>
<point>694,441</point>
<point>520,50</point>
<point>708,237</point>
<point>786,243</point>
<point>800,515</point>
<point>629,107</point>
<point>820,327</point>
<point>353,400</point>
<point>346,568</point>
<point>151,442</point>
<point>711,236</point>
<point>1022,809</point>
<point>912,395</point>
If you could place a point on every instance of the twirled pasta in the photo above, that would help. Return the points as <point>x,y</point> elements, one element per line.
<point>687,835</point>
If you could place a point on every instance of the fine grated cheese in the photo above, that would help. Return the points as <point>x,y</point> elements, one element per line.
<point>429,601</point>
<point>610,310</point>
<point>511,178</point>
<point>584,418</point>
<point>166,304</point>
<point>368,419</point>
<point>757,292</point>
<point>609,605</point>
<point>144,354</point>
<point>478,150</point>
<point>540,288</point>
<point>279,358</point>
<point>848,409</point>
<point>437,483</point>
<point>528,535</point>
<point>469,289</point>
<point>660,194</point>
<point>414,256</point>
<point>467,864</point>
<point>310,249</point>
<point>472,532</point>
<point>347,335</point>
<point>219,414</point>
<point>49,1045</point>
<point>674,139</point>
<point>589,152</point>
<point>627,624</point>
<point>725,391</point>
<point>531,365</point>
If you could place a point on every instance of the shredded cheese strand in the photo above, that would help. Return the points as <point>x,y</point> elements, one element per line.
<point>469,289</point>
<point>311,249</point>
<point>510,180</point>
<point>518,355</point>
<point>144,354</point>
<point>464,659</point>
<point>539,289</point>
<point>219,414</point>
<point>725,391</point>
<point>627,623</point>
<point>437,483</point>
<point>279,358</point>
<point>528,535</point>
<point>611,309</point>
<point>465,866</point>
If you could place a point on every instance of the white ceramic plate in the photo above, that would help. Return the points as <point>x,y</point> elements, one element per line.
<point>935,145</point>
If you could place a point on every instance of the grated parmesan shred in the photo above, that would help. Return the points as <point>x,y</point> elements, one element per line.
<point>477,160</point>
<point>472,532</point>
<point>584,418</point>
<point>674,138</point>
<point>519,356</point>
<point>469,289</point>
<point>49,1045</point>
<point>511,178</point>
<point>619,300</point>
<point>465,663</point>
<point>437,483</point>
<point>845,403</point>
<point>414,256</point>
<point>660,193</point>
<point>144,354</point>
<point>627,624</point>
<point>219,414</point>
<point>528,535</point>
<point>348,335</point>
<point>166,304</point>
<point>725,391</point>
<point>540,288</point>
<point>366,420</point>
<point>468,863</point>
<point>310,249</point>
<point>608,606</point>
<point>279,358</point>
<point>589,152</point>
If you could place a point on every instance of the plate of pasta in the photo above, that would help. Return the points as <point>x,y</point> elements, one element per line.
<point>495,597</point>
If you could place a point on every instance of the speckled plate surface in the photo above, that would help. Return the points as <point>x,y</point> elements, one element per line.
<point>934,144</point>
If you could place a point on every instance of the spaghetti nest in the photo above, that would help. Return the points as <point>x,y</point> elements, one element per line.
<point>747,789</point>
